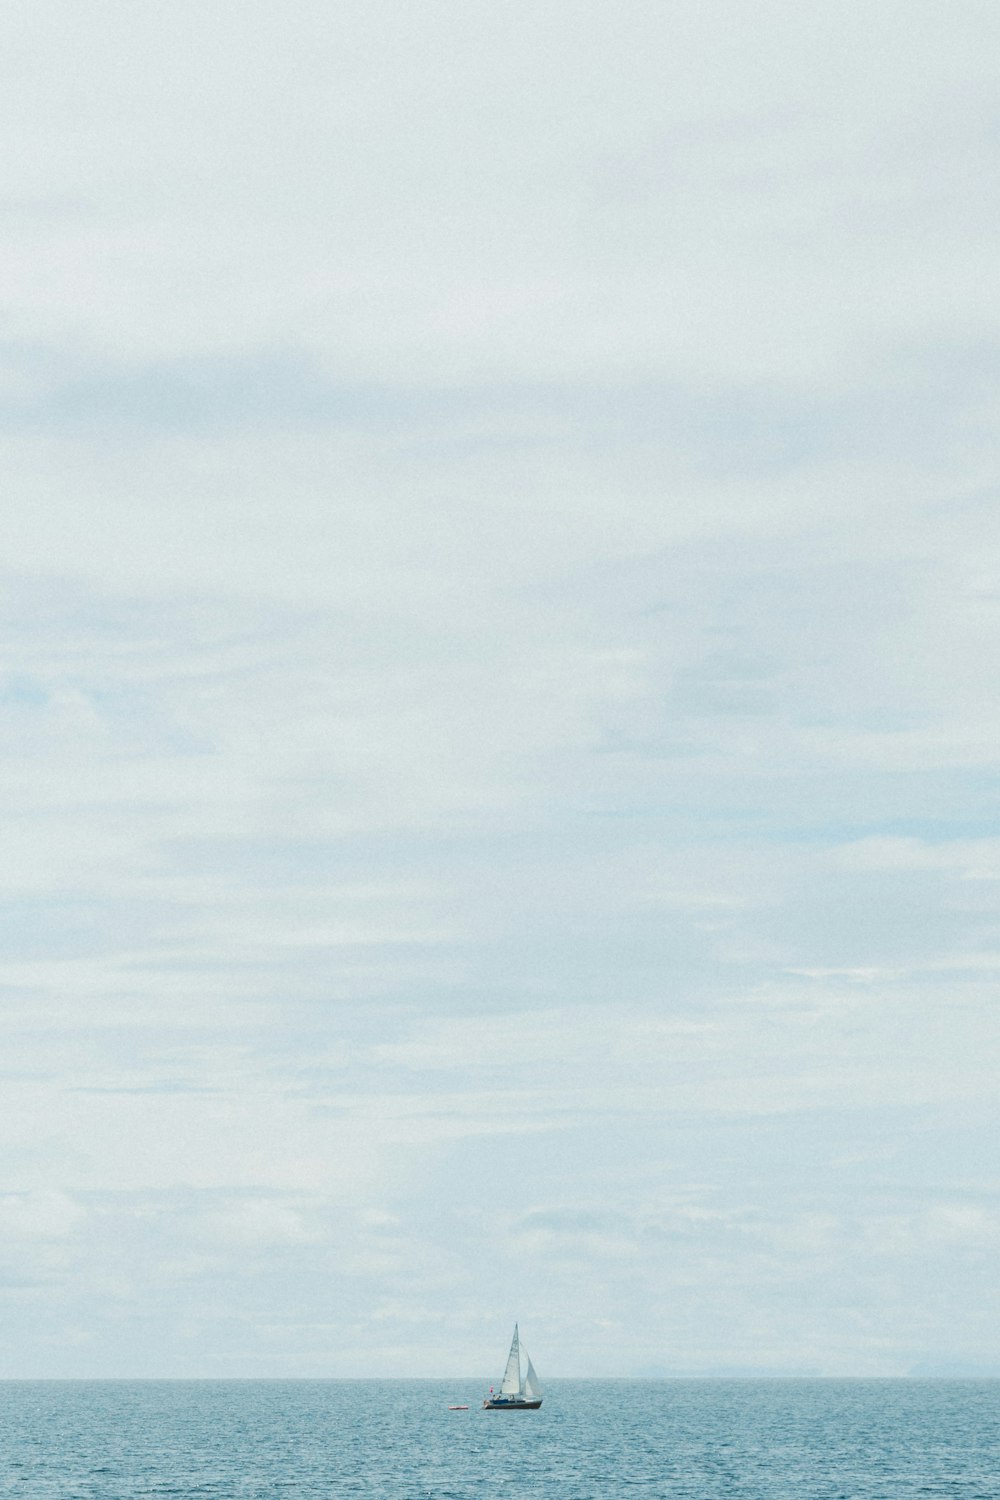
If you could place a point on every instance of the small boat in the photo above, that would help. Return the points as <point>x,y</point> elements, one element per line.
<point>518,1392</point>
<point>458,1408</point>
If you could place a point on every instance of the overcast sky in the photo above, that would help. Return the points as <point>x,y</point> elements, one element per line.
<point>499,678</point>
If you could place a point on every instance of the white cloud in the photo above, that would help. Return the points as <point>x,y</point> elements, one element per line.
<point>39,1215</point>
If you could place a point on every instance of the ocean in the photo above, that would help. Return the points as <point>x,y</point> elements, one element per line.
<point>397,1440</point>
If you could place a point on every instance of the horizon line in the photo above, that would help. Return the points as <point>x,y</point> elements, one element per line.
<point>759,1375</point>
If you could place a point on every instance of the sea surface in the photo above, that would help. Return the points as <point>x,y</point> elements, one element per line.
<point>739,1439</point>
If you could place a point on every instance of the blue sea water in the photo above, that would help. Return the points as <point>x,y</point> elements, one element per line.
<point>397,1440</point>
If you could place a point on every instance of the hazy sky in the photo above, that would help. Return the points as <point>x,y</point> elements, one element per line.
<point>500,718</point>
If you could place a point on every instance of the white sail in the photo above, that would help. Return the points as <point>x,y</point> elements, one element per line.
<point>531,1388</point>
<point>510,1385</point>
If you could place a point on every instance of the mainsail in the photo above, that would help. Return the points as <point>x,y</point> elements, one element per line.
<point>510,1385</point>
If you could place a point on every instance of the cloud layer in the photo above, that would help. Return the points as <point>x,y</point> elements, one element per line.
<point>498,729</point>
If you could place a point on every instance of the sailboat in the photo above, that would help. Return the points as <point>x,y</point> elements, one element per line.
<point>518,1392</point>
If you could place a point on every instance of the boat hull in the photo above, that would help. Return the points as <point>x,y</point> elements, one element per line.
<point>512,1405</point>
